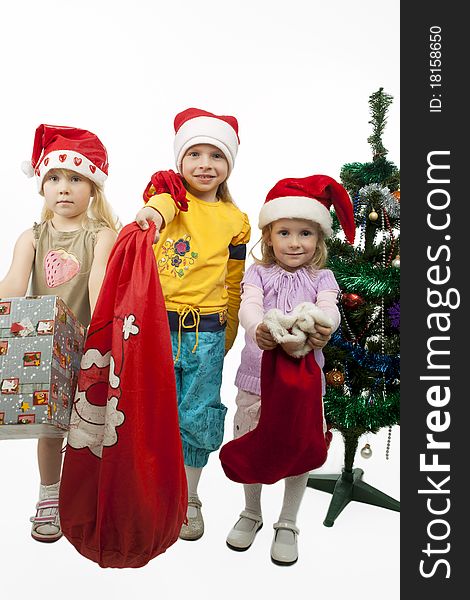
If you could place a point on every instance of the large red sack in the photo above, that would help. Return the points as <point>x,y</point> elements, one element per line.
<point>123,493</point>
<point>289,438</point>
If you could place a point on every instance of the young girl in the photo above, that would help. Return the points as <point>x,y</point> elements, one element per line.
<point>200,258</point>
<point>294,220</point>
<point>77,228</point>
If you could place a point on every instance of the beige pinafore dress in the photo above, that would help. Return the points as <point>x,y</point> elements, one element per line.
<point>62,265</point>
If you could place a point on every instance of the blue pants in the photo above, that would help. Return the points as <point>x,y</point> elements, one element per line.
<point>198,380</point>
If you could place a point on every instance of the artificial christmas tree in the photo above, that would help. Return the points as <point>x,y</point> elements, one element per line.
<point>362,357</point>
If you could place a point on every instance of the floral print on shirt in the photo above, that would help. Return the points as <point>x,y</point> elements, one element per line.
<point>177,256</point>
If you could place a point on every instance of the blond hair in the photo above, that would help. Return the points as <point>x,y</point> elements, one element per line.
<point>267,253</point>
<point>223,193</point>
<point>98,210</point>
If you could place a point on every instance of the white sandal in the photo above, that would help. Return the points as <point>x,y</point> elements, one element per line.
<point>46,527</point>
<point>240,540</point>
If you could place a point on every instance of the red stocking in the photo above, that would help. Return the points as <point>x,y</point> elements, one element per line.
<point>289,438</point>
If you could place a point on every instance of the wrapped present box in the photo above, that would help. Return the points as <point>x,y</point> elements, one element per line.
<point>41,344</point>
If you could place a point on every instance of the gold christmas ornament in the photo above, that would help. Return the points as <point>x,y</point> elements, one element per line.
<point>366,452</point>
<point>373,216</point>
<point>335,378</point>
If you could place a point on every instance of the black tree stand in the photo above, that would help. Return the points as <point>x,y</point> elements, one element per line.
<point>348,485</point>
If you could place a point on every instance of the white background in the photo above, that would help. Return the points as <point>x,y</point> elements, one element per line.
<point>298,75</point>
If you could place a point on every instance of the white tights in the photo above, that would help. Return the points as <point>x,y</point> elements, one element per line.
<point>293,494</point>
<point>193,475</point>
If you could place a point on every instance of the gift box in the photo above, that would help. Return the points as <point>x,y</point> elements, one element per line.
<point>41,344</point>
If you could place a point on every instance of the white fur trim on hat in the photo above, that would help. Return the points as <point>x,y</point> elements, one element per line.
<point>296,207</point>
<point>206,130</point>
<point>27,168</point>
<point>71,160</point>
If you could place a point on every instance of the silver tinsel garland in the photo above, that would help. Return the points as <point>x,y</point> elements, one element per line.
<point>380,196</point>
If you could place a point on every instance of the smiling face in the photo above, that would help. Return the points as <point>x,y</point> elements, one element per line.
<point>67,194</point>
<point>204,168</point>
<point>294,242</point>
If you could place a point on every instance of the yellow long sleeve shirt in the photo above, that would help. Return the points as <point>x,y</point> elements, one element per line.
<point>201,257</point>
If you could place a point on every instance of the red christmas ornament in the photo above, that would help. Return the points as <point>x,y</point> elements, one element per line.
<point>352,300</point>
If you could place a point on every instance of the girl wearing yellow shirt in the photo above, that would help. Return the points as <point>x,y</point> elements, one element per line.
<point>200,250</point>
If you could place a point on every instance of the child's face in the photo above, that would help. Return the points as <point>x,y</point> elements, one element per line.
<point>204,167</point>
<point>294,242</point>
<point>66,193</point>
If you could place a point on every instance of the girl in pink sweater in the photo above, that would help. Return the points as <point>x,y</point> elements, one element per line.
<point>295,219</point>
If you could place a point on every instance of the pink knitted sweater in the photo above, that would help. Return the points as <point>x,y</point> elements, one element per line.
<point>266,287</point>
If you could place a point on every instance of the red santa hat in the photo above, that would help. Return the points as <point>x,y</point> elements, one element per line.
<point>58,147</point>
<point>194,126</point>
<point>310,198</point>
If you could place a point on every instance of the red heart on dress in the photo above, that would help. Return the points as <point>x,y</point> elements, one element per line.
<point>62,157</point>
<point>77,161</point>
<point>92,168</point>
<point>46,161</point>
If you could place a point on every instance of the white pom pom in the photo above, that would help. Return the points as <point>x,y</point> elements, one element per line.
<point>27,168</point>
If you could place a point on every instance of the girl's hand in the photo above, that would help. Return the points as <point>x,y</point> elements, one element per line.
<point>320,337</point>
<point>264,339</point>
<point>147,213</point>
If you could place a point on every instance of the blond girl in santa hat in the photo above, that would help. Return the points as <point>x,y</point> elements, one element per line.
<point>288,300</point>
<point>200,256</point>
<point>65,255</point>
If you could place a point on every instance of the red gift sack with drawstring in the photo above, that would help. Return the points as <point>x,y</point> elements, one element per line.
<point>123,493</point>
<point>289,438</point>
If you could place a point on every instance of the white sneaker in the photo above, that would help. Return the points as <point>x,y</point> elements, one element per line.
<point>284,551</point>
<point>244,531</point>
